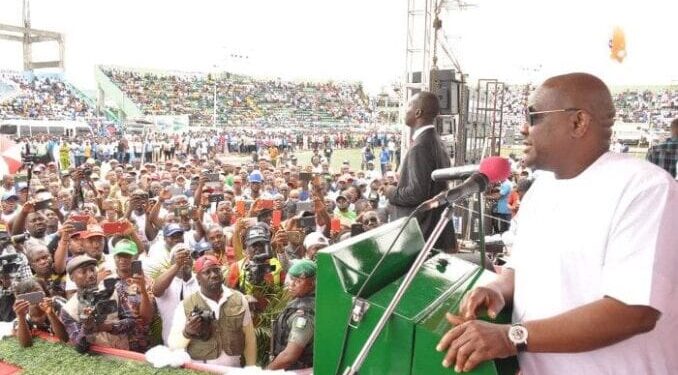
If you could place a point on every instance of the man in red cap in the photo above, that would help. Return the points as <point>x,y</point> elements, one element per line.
<point>214,325</point>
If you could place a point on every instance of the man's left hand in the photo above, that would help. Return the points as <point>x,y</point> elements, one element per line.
<point>469,343</point>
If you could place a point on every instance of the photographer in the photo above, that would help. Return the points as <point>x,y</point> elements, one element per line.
<point>90,317</point>
<point>214,325</point>
<point>259,266</point>
<point>40,316</point>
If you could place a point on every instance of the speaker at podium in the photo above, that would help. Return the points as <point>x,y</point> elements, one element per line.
<point>407,344</point>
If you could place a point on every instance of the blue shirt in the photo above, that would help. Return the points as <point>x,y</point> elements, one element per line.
<point>504,192</point>
<point>385,156</point>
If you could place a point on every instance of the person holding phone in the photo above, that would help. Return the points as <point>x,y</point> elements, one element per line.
<point>35,314</point>
<point>134,292</point>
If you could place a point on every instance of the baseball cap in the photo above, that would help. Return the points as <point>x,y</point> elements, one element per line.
<point>205,262</point>
<point>256,233</point>
<point>21,186</point>
<point>255,176</point>
<point>314,239</point>
<point>8,196</point>
<point>171,229</point>
<point>92,231</point>
<point>79,261</point>
<point>125,246</point>
<point>303,268</point>
<point>341,196</point>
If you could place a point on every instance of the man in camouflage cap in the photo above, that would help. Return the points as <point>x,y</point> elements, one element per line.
<point>293,331</point>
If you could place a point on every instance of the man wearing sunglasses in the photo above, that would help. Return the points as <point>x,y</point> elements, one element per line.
<point>591,278</point>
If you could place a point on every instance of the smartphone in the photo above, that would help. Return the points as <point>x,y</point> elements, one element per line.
<point>266,204</point>
<point>114,228</point>
<point>183,211</point>
<point>33,297</point>
<point>251,220</point>
<point>305,176</point>
<point>240,208</point>
<point>80,218</point>
<point>276,218</point>
<point>335,224</point>
<point>136,268</point>
<point>307,222</point>
<point>215,198</point>
<point>79,226</point>
<point>43,204</point>
<point>248,205</point>
<point>212,177</point>
<point>305,207</point>
<point>357,229</point>
<point>295,236</point>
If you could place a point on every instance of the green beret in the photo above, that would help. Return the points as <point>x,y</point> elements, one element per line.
<point>303,268</point>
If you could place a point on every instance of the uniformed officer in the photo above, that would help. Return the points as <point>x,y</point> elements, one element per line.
<point>293,331</point>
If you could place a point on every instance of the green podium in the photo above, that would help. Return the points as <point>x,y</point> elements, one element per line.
<point>407,344</point>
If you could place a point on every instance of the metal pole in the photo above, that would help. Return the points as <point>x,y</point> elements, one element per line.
<point>407,280</point>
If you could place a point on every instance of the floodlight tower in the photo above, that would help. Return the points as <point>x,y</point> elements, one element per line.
<point>28,36</point>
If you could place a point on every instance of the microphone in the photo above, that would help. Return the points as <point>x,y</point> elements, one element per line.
<point>454,173</point>
<point>491,170</point>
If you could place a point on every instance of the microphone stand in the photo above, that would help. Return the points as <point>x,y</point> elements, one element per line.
<point>409,277</point>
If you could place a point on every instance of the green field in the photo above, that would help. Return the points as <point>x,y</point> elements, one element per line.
<point>45,358</point>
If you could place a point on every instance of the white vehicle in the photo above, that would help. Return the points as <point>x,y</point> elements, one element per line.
<point>22,128</point>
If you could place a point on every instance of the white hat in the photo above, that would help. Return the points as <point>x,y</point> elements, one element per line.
<point>314,239</point>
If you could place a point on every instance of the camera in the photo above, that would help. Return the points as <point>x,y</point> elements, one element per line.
<point>257,270</point>
<point>6,239</point>
<point>9,263</point>
<point>100,300</point>
<point>206,316</point>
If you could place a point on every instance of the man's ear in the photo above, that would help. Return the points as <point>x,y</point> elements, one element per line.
<point>580,125</point>
<point>418,113</point>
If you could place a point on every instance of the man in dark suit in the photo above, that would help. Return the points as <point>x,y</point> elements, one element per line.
<point>426,154</point>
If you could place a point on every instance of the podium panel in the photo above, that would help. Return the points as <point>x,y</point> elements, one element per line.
<point>407,343</point>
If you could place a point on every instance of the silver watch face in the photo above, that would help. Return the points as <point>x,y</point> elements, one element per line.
<point>518,334</point>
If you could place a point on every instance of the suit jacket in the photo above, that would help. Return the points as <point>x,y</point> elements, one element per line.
<point>426,154</point>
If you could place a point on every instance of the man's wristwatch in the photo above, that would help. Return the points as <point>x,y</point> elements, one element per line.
<point>517,334</point>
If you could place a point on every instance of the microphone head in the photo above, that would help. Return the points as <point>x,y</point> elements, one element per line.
<point>495,168</point>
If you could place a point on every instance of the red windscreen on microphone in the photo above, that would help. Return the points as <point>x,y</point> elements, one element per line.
<point>495,168</point>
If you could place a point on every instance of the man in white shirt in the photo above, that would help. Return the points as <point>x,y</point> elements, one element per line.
<point>195,322</point>
<point>592,277</point>
<point>173,285</point>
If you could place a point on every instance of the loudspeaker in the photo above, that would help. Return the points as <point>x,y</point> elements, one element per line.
<point>446,88</point>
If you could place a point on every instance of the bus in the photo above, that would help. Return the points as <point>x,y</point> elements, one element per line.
<point>24,128</point>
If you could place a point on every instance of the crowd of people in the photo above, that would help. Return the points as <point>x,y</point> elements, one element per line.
<point>183,216</point>
<point>243,100</point>
<point>40,98</point>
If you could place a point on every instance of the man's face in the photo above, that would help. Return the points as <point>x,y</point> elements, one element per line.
<point>8,180</point>
<point>217,239</point>
<point>547,135</point>
<point>256,248</point>
<point>174,239</point>
<point>410,114</point>
<point>370,221</point>
<point>36,225</point>
<point>313,250</point>
<point>51,219</point>
<point>255,186</point>
<point>342,204</point>
<point>210,279</point>
<point>94,246</point>
<point>301,286</point>
<point>85,277</point>
<point>9,205</point>
<point>225,212</point>
<point>41,261</point>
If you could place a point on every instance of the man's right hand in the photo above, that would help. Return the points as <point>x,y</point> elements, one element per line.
<point>181,258</point>
<point>193,326</point>
<point>479,297</point>
<point>20,308</point>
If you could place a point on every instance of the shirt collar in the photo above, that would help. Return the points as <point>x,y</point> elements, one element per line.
<point>420,130</point>
<point>225,293</point>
